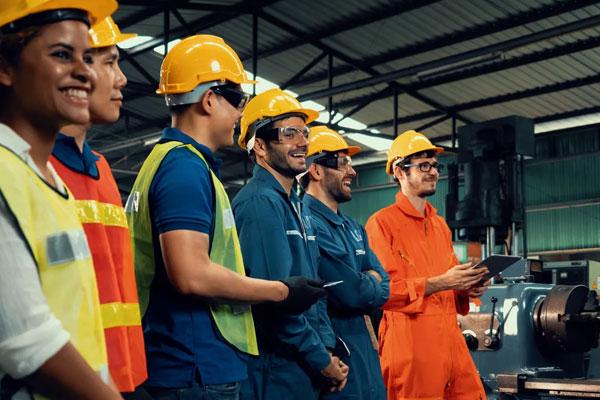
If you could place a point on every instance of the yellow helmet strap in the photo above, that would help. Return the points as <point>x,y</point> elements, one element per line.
<point>190,97</point>
<point>46,17</point>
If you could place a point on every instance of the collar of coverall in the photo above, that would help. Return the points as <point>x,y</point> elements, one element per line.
<point>404,204</point>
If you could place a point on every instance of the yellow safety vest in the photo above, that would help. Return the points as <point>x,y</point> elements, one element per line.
<point>49,223</point>
<point>235,323</point>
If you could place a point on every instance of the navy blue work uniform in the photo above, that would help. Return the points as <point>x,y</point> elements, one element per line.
<point>345,255</point>
<point>278,242</point>
<point>183,346</point>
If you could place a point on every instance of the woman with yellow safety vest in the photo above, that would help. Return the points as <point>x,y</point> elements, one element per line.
<point>51,337</point>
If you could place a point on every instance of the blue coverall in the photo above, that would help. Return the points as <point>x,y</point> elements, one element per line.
<point>277,242</point>
<point>345,256</point>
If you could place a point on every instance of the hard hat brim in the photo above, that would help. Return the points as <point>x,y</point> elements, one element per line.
<point>352,150</point>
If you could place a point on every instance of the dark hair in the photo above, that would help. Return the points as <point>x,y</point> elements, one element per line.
<point>179,109</point>
<point>12,44</point>
<point>422,154</point>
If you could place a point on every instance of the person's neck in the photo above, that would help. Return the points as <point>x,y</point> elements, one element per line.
<point>77,132</point>
<point>285,182</point>
<point>318,193</point>
<point>39,135</point>
<point>417,201</point>
<point>195,127</point>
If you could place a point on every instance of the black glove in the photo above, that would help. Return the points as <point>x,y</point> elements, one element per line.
<point>303,293</point>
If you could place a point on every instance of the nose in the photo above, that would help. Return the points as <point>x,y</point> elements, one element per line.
<point>303,141</point>
<point>121,79</point>
<point>83,72</point>
<point>351,171</point>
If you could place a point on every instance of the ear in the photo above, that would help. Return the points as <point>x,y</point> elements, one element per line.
<point>316,174</point>
<point>6,73</point>
<point>260,148</point>
<point>398,172</point>
<point>209,102</point>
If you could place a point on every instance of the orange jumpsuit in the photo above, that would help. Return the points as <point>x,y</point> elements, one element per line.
<point>423,354</point>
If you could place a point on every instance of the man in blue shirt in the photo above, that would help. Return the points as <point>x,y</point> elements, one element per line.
<point>345,256</point>
<point>193,291</point>
<point>278,241</point>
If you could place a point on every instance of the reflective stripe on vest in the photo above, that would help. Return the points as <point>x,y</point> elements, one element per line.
<point>95,212</point>
<point>49,223</point>
<point>99,208</point>
<point>235,324</point>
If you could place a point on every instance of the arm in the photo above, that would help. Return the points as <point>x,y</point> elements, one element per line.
<point>191,271</point>
<point>181,200</point>
<point>360,290</point>
<point>33,344</point>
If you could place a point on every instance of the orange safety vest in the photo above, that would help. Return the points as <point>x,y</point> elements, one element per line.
<point>422,352</point>
<point>101,212</point>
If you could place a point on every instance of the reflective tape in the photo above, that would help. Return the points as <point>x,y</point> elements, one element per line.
<point>95,212</point>
<point>120,314</point>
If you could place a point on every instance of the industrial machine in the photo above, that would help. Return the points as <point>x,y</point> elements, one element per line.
<point>533,341</point>
<point>529,340</point>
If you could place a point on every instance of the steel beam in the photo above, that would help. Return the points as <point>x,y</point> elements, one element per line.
<point>343,57</point>
<point>456,58</point>
<point>473,32</point>
<point>303,71</point>
<point>494,100</point>
<point>433,123</point>
<point>362,18</point>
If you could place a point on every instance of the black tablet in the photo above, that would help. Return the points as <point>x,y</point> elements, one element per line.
<point>496,264</point>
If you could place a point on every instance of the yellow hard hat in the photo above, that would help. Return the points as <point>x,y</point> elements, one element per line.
<point>270,104</point>
<point>408,143</point>
<point>106,33</point>
<point>199,59</point>
<point>324,139</point>
<point>14,10</point>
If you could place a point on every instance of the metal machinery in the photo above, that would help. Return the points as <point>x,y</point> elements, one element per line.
<point>528,340</point>
<point>532,341</point>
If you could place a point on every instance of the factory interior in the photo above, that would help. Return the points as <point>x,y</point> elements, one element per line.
<point>510,90</point>
<point>511,83</point>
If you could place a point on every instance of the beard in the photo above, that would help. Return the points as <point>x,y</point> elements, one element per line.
<point>335,188</point>
<point>417,186</point>
<point>279,162</point>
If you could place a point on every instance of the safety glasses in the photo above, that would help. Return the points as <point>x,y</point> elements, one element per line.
<point>335,161</point>
<point>426,166</point>
<point>234,95</point>
<point>284,134</point>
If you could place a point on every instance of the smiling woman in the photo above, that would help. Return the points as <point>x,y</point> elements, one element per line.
<point>51,343</point>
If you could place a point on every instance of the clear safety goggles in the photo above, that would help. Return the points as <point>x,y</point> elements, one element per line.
<point>284,134</point>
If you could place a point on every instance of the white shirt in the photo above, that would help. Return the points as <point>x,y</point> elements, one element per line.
<point>29,333</point>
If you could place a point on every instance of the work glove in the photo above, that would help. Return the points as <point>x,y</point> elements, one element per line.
<point>303,293</point>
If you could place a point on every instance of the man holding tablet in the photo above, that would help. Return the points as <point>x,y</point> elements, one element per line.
<point>423,354</point>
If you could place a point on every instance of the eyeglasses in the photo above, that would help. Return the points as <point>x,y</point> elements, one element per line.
<point>426,166</point>
<point>335,161</point>
<point>284,134</point>
<point>234,96</point>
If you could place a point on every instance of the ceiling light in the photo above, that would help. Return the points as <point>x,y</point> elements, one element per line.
<point>134,41</point>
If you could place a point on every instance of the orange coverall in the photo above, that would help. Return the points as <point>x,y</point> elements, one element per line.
<point>423,354</point>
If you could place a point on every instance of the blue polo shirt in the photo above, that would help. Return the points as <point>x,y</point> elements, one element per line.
<point>82,161</point>
<point>277,242</point>
<point>182,342</point>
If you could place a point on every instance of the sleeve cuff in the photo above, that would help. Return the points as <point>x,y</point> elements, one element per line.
<point>22,355</point>
<point>318,359</point>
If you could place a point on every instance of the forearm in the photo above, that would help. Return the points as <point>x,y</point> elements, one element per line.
<point>434,284</point>
<point>66,375</point>
<point>216,281</point>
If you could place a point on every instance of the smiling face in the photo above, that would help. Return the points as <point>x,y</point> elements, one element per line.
<point>289,158</point>
<point>51,81</point>
<point>415,182</point>
<point>106,98</point>
<point>336,182</point>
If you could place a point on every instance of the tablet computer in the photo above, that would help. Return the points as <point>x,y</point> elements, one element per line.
<point>496,264</point>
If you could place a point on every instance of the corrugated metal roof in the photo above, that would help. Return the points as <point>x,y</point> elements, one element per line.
<point>362,42</point>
